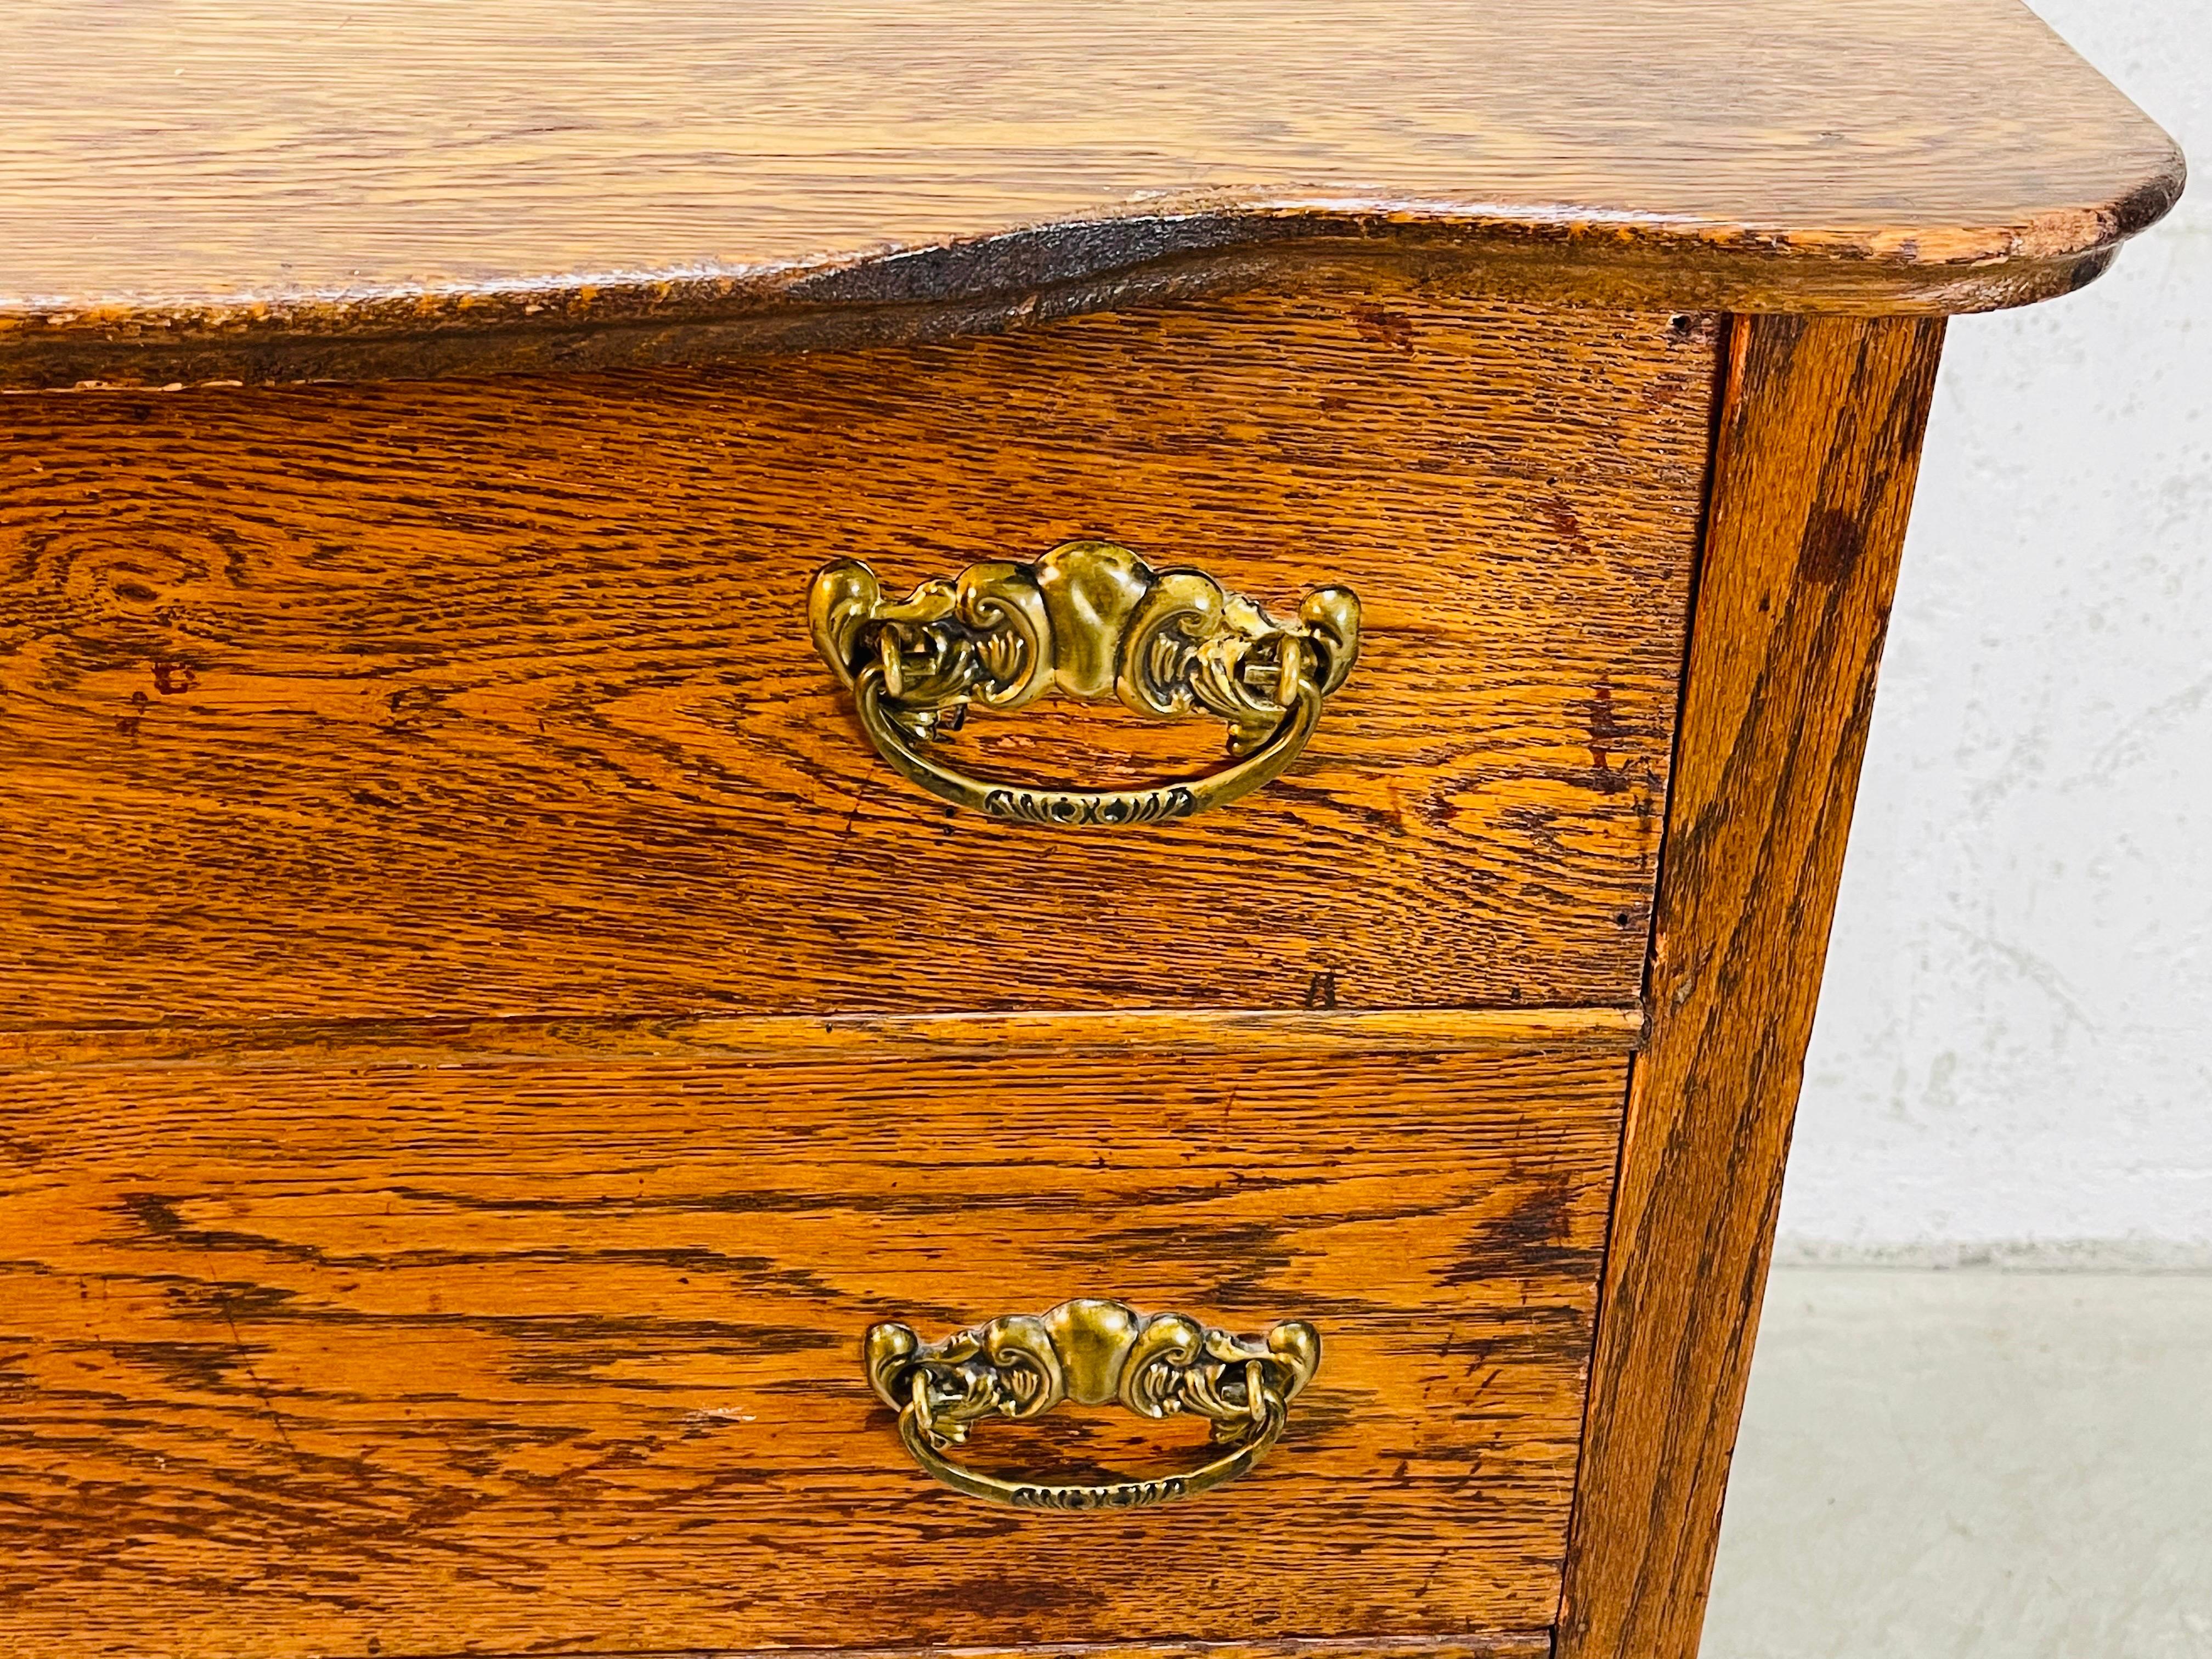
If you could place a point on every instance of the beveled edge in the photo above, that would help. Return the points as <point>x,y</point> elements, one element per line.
<point>1206,246</point>
<point>1469,1645</point>
<point>802,1038</point>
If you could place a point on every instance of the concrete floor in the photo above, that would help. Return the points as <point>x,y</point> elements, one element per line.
<point>1972,1465</point>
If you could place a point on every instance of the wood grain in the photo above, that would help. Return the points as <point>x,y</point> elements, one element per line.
<point>1479,1644</point>
<point>496,699</point>
<point>497,1358</point>
<point>227,189</point>
<point>1819,446</point>
<point>1313,1034</point>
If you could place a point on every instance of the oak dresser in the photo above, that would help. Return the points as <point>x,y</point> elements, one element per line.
<point>965,824</point>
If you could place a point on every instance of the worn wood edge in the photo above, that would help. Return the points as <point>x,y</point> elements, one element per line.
<point>1475,1644</point>
<point>1036,275</point>
<point>1645,1409</point>
<point>420,1042</point>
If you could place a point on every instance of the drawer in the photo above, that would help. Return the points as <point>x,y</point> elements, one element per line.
<point>516,1354</point>
<point>496,698</point>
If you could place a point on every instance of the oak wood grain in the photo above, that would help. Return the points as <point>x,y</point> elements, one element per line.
<point>497,1358</point>
<point>1473,1645</point>
<point>1819,446</point>
<point>225,189</point>
<point>1477,1645</point>
<point>491,699</point>
<point>1313,1034</point>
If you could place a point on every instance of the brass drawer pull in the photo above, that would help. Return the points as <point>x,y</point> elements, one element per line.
<point>1090,1352</point>
<point>1087,620</point>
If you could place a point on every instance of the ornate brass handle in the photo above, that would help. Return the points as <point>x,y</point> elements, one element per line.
<point>1087,619</point>
<point>1090,1352</point>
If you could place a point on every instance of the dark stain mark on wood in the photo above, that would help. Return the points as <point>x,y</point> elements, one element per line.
<point>1833,543</point>
<point>1393,329</point>
<point>1560,513</point>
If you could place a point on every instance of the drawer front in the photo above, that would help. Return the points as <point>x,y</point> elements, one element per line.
<point>508,1355</point>
<point>497,698</point>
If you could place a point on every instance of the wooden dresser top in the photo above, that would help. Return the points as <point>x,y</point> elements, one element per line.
<point>237,174</point>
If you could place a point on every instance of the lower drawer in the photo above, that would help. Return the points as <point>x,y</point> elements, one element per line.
<point>519,1354</point>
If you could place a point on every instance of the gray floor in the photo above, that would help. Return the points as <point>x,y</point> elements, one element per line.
<point>2003,1465</point>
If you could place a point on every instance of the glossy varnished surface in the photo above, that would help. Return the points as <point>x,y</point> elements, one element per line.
<point>497,699</point>
<point>407,1359</point>
<point>188,185</point>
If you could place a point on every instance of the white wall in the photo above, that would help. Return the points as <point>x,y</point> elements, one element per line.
<point>2014,1054</point>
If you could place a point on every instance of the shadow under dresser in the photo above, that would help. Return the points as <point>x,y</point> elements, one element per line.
<point>966,828</point>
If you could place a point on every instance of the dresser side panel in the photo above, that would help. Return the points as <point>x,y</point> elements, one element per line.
<point>1819,446</point>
